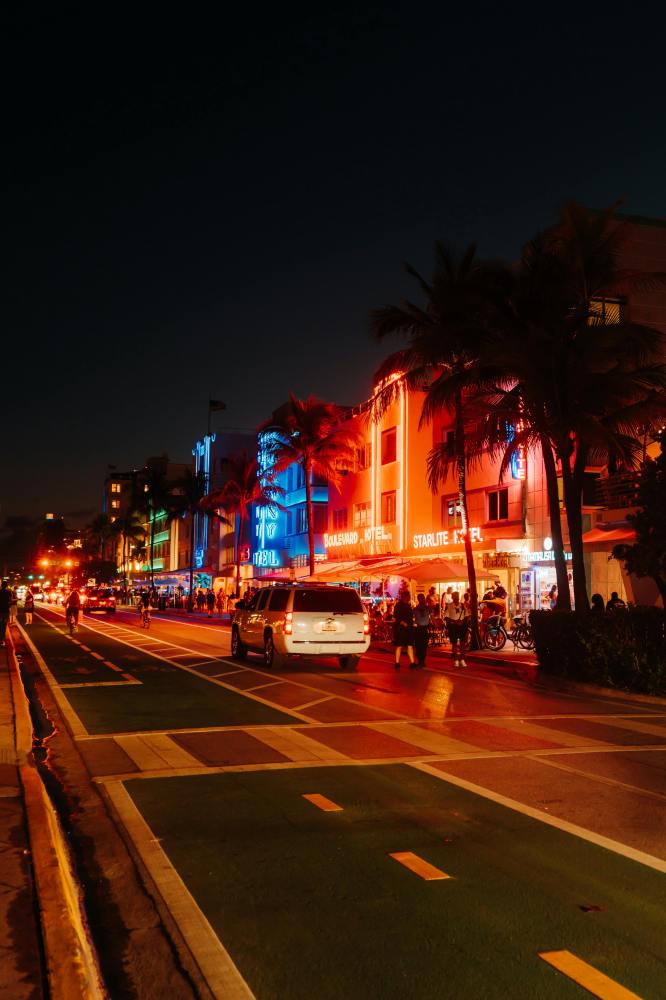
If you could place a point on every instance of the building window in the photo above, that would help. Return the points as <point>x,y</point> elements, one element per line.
<point>449,442</point>
<point>301,520</point>
<point>340,519</point>
<point>364,456</point>
<point>388,508</point>
<point>115,487</point>
<point>609,312</point>
<point>451,512</point>
<point>115,504</point>
<point>361,515</point>
<point>498,505</point>
<point>389,439</point>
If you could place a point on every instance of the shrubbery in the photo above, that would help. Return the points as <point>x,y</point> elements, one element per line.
<point>623,649</point>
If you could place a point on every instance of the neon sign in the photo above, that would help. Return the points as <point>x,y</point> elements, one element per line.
<point>266,557</point>
<point>436,539</point>
<point>370,534</point>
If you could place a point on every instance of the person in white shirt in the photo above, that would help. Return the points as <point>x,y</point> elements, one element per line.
<point>457,624</point>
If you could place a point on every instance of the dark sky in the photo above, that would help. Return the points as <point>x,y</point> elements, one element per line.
<point>208,201</point>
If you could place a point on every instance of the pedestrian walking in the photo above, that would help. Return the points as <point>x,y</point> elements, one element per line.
<point>403,629</point>
<point>13,607</point>
<point>220,601</point>
<point>29,606</point>
<point>200,599</point>
<point>552,597</point>
<point>210,601</point>
<point>457,625</point>
<point>5,605</point>
<point>423,613</point>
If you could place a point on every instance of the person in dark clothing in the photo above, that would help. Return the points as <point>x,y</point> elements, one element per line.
<point>29,606</point>
<point>423,612</point>
<point>210,602</point>
<point>615,602</point>
<point>5,605</point>
<point>597,605</point>
<point>403,629</point>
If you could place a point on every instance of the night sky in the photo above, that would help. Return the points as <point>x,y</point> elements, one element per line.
<point>196,203</point>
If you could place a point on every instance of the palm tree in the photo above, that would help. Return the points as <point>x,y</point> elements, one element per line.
<point>246,484</point>
<point>309,433</point>
<point>187,499</point>
<point>158,497</point>
<point>97,532</point>
<point>129,527</point>
<point>445,338</point>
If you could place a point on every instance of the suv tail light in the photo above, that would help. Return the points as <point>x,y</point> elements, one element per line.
<point>288,623</point>
<point>366,623</point>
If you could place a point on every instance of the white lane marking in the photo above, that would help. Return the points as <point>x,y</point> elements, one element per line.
<point>222,976</point>
<point>649,860</point>
<point>602,778</point>
<point>317,701</point>
<point>76,727</point>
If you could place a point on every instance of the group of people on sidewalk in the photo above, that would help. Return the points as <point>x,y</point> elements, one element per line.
<point>411,626</point>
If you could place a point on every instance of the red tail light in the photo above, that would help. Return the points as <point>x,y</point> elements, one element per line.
<point>288,623</point>
<point>366,623</point>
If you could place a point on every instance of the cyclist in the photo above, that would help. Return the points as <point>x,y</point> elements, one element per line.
<point>73,609</point>
<point>144,608</point>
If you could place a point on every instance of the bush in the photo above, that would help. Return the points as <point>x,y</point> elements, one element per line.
<point>624,649</point>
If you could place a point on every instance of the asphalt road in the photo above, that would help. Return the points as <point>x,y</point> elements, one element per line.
<point>545,812</point>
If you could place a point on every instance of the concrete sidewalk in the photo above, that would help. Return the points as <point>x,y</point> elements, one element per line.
<point>22,973</point>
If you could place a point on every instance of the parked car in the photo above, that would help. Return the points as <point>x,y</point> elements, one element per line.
<point>302,620</point>
<point>100,600</point>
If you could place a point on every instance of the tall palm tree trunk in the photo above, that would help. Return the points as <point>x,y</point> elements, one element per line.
<point>573,498</point>
<point>239,542</point>
<point>190,598</point>
<point>308,510</point>
<point>550,469</point>
<point>152,547</point>
<point>475,639</point>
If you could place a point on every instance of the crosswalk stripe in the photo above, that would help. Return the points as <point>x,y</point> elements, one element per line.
<point>326,805</point>
<point>420,867</point>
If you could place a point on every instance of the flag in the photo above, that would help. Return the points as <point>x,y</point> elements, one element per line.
<point>216,404</point>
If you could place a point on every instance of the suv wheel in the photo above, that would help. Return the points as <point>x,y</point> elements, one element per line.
<point>349,662</point>
<point>271,657</point>
<point>238,650</point>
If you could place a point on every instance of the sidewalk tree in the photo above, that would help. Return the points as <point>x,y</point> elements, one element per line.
<point>647,556</point>
<point>97,533</point>
<point>245,485</point>
<point>158,498</point>
<point>188,499</point>
<point>309,432</point>
<point>445,338</point>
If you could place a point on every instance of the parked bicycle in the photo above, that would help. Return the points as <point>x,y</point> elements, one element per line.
<point>494,634</point>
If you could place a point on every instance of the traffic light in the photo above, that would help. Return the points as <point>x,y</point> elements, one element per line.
<point>30,576</point>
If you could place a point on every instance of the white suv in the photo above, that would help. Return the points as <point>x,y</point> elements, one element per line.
<point>302,620</point>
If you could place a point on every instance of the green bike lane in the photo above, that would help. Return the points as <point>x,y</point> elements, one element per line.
<point>311,903</point>
<point>166,697</point>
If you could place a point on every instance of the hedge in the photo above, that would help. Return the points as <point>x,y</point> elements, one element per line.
<point>623,649</point>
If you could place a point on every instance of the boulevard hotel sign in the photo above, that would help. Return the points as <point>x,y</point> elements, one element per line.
<point>429,540</point>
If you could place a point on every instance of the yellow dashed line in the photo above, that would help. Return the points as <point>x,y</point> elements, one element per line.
<point>128,677</point>
<point>98,656</point>
<point>419,866</point>
<point>112,666</point>
<point>587,976</point>
<point>323,803</point>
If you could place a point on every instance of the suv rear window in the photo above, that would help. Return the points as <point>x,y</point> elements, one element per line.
<point>327,601</point>
<point>279,600</point>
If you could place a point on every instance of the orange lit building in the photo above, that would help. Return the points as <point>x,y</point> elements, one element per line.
<point>384,507</point>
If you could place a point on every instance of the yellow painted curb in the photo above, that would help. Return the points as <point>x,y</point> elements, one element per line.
<point>70,958</point>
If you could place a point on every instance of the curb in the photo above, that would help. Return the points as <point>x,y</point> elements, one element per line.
<point>70,958</point>
<point>579,687</point>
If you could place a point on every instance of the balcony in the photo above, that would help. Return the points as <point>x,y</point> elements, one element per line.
<point>619,491</point>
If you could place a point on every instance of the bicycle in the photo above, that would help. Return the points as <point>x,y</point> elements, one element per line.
<point>494,634</point>
<point>145,618</point>
<point>72,617</point>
